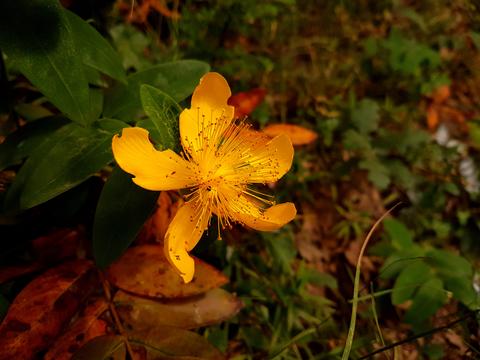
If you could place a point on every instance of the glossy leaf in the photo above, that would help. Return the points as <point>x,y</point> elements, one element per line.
<point>83,329</point>
<point>163,113</point>
<point>169,343</point>
<point>35,317</point>
<point>145,271</point>
<point>36,36</point>
<point>122,210</point>
<point>297,134</point>
<point>94,50</point>
<point>210,308</point>
<point>70,156</point>
<point>177,79</point>
<point>111,347</point>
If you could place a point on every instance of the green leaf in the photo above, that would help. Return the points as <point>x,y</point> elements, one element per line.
<point>401,237</point>
<point>163,113</point>
<point>23,142</point>
<point>105,347</point>
<point>70,156</point>
<point>122,210</point>
<point>177,79</point>
<point>94,50</point>
<point>377,173</point>
<point>365,116</point>
<point>353,140</point>
<point>37,38</point>
<point>429,298</point>
<point>456,273</point>
<point>413,275</point>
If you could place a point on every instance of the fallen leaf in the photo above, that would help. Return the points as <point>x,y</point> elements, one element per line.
<point>246,102</point>
<point>168,343</point>
<point>58,245</point>
<point>111,347</point>
<point>441,94</point>
<point>11,272</point>
<point>432,117</point>
<point>42,308</point>
<point>297,134</point>
<point>156,226</point>
<point>144,270</point>
<point>85,328</point>
<point>212,307</point>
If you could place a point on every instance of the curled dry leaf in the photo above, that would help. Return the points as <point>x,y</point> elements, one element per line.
<point>85,328</point>
<point>246,102</point>
<point>169,343</point>
<point>144,270</point>
<point>212,307</point>
<point>42,308</point>
<point>297,134</point>
<point>58,245</point>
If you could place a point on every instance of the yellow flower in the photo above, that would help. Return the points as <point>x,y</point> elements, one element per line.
<point>220,159</point>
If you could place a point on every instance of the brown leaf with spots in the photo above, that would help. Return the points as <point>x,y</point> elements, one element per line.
<point>210,308</point>
<point>43,307</point>
<point>85,328</point>
<point>297,134</point>
<point>144,270</point>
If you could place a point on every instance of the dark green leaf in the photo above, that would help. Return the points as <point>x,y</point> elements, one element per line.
<point>106,347</point>
<point>122,209</point>
<point>177,79</point>
<point>71,155</point>
<point>412,276</point>
<point>365,116</point>
<point>429,298</point>
<point>401,237</point>
<point>23,142</point>
<point>163,113</point>
<point>94,50</point>
<point>36,37</point>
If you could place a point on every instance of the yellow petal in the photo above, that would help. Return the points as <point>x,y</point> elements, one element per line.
<point>255,158</point>
<point>183,234</point>
<point>202,126</point>
<point>153,169</point>
<point>271,219</point>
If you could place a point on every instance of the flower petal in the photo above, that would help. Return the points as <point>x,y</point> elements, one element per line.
<point>255,158</point>
<point>248,212</point>
<point>202,126</point>
<point>153,169</point>
<point>183,234</point>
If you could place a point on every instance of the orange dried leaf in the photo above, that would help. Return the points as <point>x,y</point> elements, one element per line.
<point>297,134</point>
<point>11,272</point>
<point>432,117</point>
<point>144,270</point>
<point>246,102</point>
<point>441,94</point>
<point>86,327</point>
<point>210,308</point>
<point>42,308</point>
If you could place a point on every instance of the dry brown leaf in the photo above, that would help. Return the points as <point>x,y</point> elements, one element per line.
<point>297,134</point>
<point>246,102</point>
<point>212,307</point>
<point>39,312</point>
<point>144,270</point>
<point>85,328</point>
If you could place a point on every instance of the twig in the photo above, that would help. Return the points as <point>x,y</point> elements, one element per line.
<point>116,318</point>
<point>420,335</point>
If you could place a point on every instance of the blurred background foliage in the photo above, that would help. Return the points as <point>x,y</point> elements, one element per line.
<point>392,89</point>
